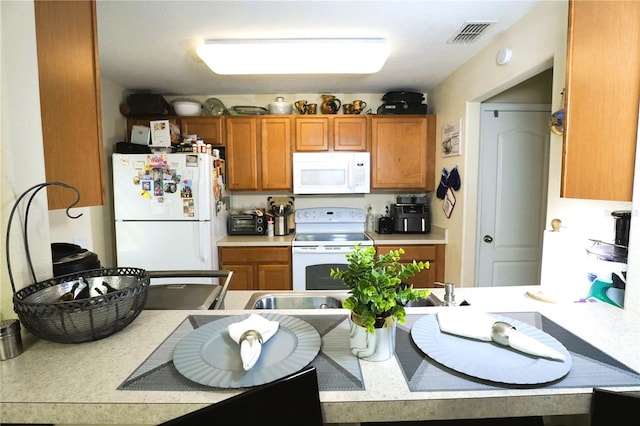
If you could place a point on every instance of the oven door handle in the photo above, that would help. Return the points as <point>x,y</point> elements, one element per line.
<point>322,249</point>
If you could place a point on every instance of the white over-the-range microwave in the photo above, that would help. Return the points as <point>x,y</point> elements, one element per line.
<point>331,172</point>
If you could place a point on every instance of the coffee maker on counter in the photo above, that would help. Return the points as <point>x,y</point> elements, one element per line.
<point>411,215</point>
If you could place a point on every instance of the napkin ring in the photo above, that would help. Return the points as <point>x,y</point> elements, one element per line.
<point>248,333</point>
<point>500,332</point>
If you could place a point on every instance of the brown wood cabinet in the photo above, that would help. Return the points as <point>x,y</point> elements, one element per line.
<point>403,152</point>
<point>432,253</point>
<point>330,133</point>
<point>257,268</point>
<point>312,133</point>
<point>67,49</point>
<point>210,129</point>
<point>242,153</point>
<point>350,133</point>
<point>258,148</point>
<point>258,153</point>
<point>275,150</point>
<point>601,100</point>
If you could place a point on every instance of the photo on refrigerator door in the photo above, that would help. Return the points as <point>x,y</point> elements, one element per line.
<point>185,189</point>
<point>188,208</point>
<point>170,187</point>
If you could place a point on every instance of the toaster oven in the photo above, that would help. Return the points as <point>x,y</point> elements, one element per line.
<point>246,224</point>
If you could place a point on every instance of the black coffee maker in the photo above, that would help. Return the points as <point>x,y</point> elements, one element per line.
<point>411,215</point>
<point>622,220</point>
<point>616,252</point>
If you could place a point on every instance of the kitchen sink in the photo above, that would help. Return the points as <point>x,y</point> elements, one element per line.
<point>431,300</point>
<point>296,300</point>
<point>312,300</point>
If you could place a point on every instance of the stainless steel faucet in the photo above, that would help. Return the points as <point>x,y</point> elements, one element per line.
<point>449,297</point>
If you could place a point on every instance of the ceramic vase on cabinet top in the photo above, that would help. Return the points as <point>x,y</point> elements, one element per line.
<point>330,104</point>
<point>280,107</point>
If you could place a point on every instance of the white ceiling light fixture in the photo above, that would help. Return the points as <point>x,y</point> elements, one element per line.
<point>295,56</point>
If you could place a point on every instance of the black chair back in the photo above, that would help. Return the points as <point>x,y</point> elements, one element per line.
<point>291,401</point>
<point>614,408</point>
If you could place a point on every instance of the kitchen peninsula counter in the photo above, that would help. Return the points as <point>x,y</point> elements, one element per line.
<point>75,384</point>
<point>437,235</point>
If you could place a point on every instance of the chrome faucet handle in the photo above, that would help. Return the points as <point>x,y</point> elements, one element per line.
<point>449,297</point>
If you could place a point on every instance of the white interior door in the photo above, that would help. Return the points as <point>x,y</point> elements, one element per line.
<point>512,193</point>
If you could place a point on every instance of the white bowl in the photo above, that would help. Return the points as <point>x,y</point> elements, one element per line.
<point>187,108</point>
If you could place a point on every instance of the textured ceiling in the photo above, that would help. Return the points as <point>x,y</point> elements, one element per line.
<point>151,44</point>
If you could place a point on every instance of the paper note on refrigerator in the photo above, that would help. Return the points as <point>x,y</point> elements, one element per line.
<point>161,208</point>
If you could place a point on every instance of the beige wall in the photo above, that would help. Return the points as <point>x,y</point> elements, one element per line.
<point>21,145</point>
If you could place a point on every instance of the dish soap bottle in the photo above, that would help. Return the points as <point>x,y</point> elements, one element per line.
<point>369,223</point>
<point>270,227</point>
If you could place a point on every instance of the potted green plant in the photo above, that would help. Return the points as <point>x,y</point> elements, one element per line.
<point>377,298</point>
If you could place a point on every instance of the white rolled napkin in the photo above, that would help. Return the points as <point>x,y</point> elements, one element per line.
<point>251,334</point>
<point>466,322</point>
<point>523,343</point>
<point>479,325</point>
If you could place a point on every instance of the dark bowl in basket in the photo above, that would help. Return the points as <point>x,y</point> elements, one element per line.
<point>86,319</point>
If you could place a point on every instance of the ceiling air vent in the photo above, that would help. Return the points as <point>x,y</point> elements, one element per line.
<point>469,32</point>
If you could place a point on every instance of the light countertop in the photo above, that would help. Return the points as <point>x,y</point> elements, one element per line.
<point>74,384</point>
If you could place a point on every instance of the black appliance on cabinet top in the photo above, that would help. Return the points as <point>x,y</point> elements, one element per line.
<point>411,215</point>
<point>402,102</point>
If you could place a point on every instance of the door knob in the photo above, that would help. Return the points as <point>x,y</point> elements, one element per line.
<point>487,239</point>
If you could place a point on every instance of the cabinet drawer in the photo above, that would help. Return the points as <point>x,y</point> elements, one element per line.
<point>426,252</point>
<point>255,255</point>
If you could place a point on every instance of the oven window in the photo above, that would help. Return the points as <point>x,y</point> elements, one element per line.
<point>317,277</point>
<point>243,224</point>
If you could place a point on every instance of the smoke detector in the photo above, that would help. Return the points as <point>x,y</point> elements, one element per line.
<point>469,32</point>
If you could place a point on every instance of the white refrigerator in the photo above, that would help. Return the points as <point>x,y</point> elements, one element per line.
<point>168,213</point>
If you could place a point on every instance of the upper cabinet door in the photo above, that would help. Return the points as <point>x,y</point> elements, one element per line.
<point>602,93</point>
<point>403,152</point>
<point>330,133</point>
<point>207,128</point>
<point>275,147</point>
<point>350,133</point>
<point>312,133</point>
<point>70,100</point>
<point>242,153</point>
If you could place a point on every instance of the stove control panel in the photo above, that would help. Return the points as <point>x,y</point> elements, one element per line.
<point>330,215</point>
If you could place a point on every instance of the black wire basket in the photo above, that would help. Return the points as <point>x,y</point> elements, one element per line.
<point>79,307</point>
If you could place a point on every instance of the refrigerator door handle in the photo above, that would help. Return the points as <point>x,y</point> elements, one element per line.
<point>204,241</point>
<point>205,187</point>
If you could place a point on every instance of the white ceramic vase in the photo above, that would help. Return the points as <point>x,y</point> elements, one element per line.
<point>280,107</point>
<point>377,346</point>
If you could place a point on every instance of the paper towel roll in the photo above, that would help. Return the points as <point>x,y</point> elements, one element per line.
<point>564,259</point>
